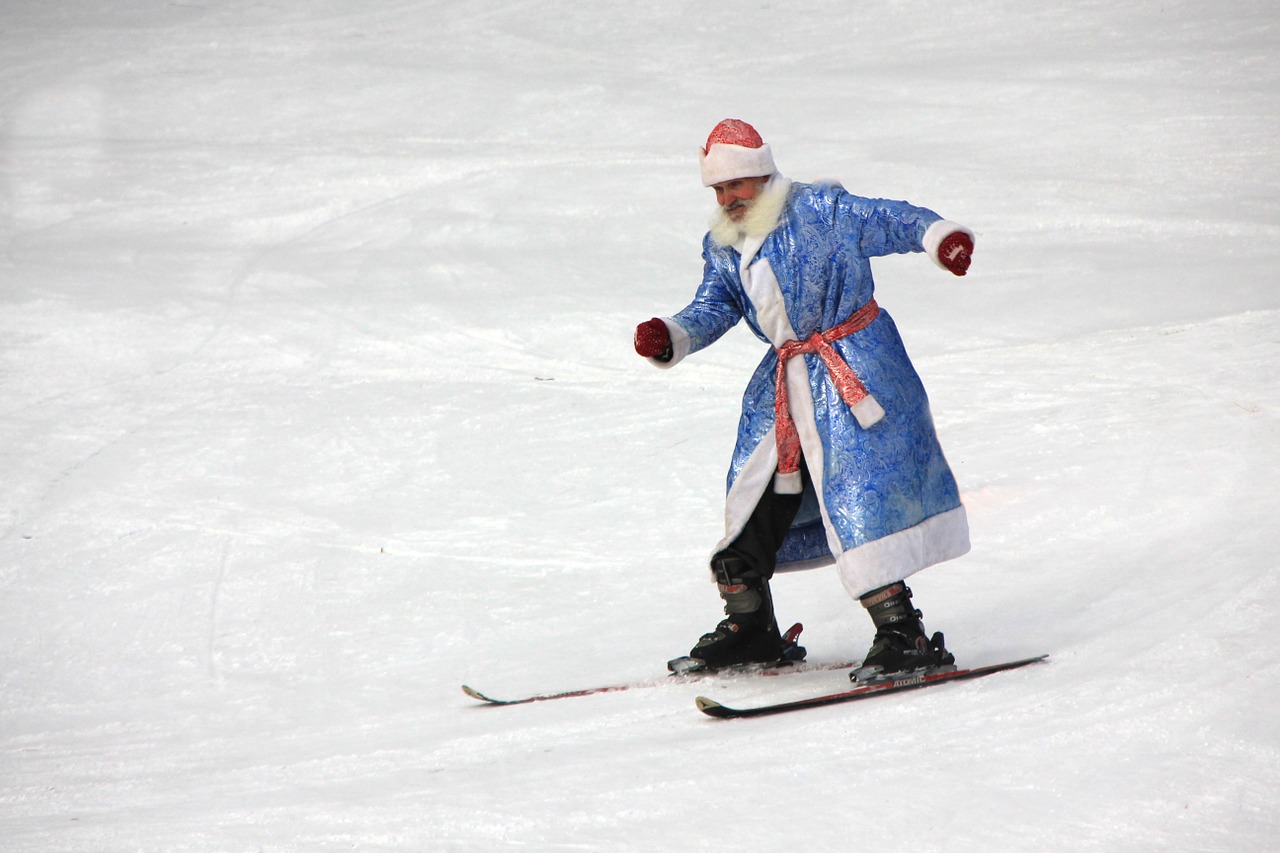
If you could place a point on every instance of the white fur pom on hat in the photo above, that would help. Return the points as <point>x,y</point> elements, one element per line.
<point>734,150</point>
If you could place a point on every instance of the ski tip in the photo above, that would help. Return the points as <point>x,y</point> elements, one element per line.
<point>475,694</point>
<point>706,705</point>
<point>686,666</point>
<point>712,708</point>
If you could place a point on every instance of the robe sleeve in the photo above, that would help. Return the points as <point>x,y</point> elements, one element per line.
<point>883,227</point>
<point>715,308</point>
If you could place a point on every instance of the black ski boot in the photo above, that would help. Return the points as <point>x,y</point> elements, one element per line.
<point>900,644</point>
<point>749,633</point>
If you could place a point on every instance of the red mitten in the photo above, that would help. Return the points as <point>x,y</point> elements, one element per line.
<point>955,252</point>
<point>653,340</point>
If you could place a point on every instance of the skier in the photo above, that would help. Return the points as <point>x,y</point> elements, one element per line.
<point>836,459</point>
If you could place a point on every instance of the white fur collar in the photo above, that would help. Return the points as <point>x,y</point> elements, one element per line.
<point>761,218</point>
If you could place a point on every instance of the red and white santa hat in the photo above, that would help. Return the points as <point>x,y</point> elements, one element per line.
<point>734,150</point>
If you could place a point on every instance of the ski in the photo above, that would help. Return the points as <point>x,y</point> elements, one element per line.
<point>910,681</point>
<point>687,669</point>
<point>676,678</point>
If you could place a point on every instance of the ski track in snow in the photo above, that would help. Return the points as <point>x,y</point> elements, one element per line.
<point>317,400</point>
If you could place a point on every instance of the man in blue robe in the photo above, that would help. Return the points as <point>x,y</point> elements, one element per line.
<point>837,460</point>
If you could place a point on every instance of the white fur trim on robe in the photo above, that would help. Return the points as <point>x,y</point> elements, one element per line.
<point>899,555</point>
<point>762,288</point>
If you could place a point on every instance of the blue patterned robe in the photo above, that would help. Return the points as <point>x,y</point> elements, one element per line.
<point>884,503</point>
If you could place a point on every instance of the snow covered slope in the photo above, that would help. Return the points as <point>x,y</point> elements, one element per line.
<point>317,400</point>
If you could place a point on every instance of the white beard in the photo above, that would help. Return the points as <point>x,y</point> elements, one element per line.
<point>761,217</point>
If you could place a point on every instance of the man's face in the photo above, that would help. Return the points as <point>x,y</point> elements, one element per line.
<point>735,197</point>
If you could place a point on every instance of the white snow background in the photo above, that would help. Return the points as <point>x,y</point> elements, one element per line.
<point>317,401</point>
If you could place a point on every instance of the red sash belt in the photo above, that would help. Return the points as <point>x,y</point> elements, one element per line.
<point>847,383</point>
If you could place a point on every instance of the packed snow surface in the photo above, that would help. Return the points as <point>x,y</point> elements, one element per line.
<point>317,401</point>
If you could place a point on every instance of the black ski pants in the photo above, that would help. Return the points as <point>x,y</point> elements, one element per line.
<point>758,543</point>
